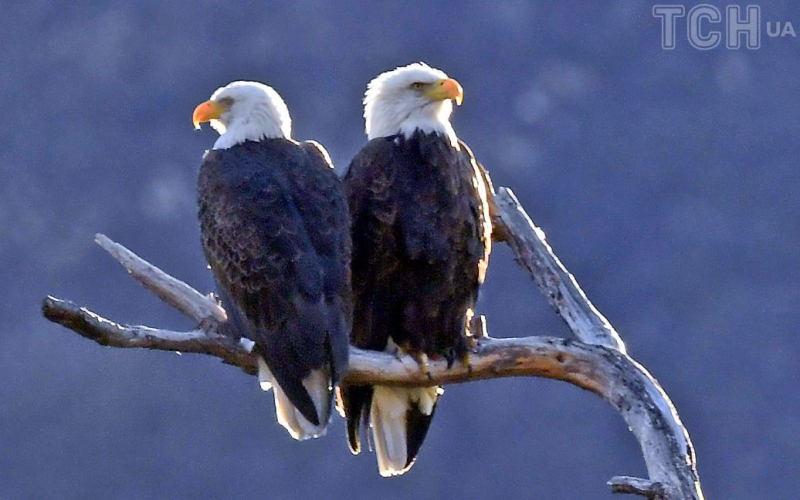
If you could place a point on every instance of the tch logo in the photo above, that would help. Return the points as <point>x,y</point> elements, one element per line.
<point>707,26</point>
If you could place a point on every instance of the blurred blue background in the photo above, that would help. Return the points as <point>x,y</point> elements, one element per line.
<point>667,182</point>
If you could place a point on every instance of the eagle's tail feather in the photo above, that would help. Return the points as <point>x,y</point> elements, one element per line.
<point>318,386</point>
<point>400,421</point>
<point>354,404</point>
<point>264,375</point>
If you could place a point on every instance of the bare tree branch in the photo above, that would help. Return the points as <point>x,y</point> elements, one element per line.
<point>590,367</point>
<point>598,363</point>
<point>637,486</point>
<point>109,333</point>
<point>172,291</point>
<point>559,286</point>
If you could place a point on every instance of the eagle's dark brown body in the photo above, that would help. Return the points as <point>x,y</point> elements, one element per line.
<point>421,242</point>
<point>273,220</point>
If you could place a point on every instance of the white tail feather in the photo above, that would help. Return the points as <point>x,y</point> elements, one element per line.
<point>292,420</point>
<point>388,417</point>
<point>264,375</point>
<point>317,383</point>
<point>319,386</point>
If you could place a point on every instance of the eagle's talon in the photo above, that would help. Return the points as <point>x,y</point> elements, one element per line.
<point>424,366</point>
<point>466,361</point>
<point>450,356</point>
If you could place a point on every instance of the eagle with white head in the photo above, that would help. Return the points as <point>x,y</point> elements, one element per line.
<point>272,214</point>
<point>421,242</point>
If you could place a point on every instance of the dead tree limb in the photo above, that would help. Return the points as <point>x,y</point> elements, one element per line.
<point>561,288</point>
<point>597,362</point>
<point>637,486</point>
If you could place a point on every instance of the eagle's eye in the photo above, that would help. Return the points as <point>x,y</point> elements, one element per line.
<point>418,85</point>
<point>225,102</point>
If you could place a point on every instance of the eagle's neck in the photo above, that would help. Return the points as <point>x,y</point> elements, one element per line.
<point>260,122</point>
<point>394,118</point>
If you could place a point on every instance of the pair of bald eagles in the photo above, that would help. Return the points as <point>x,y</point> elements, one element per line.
<point>391,256</point>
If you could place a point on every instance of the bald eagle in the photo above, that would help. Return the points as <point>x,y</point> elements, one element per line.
<point>273,219</point>
<point>421,242</point>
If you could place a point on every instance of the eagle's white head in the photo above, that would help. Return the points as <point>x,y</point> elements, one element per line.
<point>244,111</point>
<point>413,97</point>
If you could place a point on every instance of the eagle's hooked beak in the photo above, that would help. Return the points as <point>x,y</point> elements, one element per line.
<point>447,89</point>
<point>205,112</point>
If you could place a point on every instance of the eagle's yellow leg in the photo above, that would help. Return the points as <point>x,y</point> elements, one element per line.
<point>422,360</point>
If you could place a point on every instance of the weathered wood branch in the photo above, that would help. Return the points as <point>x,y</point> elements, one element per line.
<point>637,486</point>
<point>172,291</point>
<point>597,363</point>
<point>109,333</point>
<point>534,254</point>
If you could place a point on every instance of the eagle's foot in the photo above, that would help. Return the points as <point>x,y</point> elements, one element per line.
<point>422,360</point>
<point>450,356</point>
<point>460,353</point>
<point>465,360</point>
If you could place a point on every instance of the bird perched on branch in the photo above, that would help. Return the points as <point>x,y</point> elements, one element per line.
<point>421,242</point>
<point>274,221</point>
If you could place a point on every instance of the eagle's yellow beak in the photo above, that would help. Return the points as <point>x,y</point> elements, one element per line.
<point>446,89</point>
<point>207,111</point>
